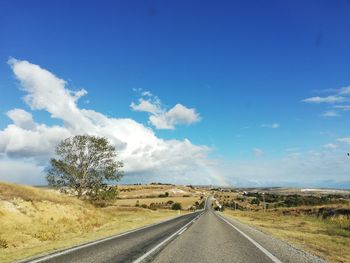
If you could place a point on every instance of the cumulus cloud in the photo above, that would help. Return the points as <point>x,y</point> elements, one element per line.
<point>159,117</point>
<point>21,118</point>
<point>38,142</point>
<point>141,150</point>
<point>271,125</point>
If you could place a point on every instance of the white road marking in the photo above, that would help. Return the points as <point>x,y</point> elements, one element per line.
<point>267,253</point>
<point>144,256</point>
<point>67,251</point>
<point>183,230</point>
<point>205,203</point>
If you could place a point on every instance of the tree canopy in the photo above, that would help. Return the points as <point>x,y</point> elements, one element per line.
<point>86,164</point>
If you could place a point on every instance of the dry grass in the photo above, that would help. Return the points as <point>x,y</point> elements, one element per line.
<point>153,191</point>
<point>186,202</point>
<point>35,221</point>
<point>327,238</point>
<point>27,193</point>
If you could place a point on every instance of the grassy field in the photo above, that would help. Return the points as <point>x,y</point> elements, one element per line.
<point>153,191</point>
<point>35,221</point>
<point>158,196</point>
<point>186,202</point>
<point>328,238</point>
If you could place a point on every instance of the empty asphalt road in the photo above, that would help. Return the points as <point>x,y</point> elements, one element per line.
<point>203,236</point>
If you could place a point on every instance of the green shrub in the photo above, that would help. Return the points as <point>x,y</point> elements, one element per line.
<point>255,201</point>
<point>176,206</point>
<point>166,194</point>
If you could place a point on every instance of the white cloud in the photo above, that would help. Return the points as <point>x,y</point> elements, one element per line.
<point>328,99</point>
<point>143,153</point>
<point>330,114</point>
<point>147,93</point>
<point>344,91</point>
<point>177,115</point>
<point>345,140</point>
<point>22,118</point>
<point>271,126</point>
<point>39,142</point>
<point>146,106</point>
<point>293,155</point>
<point>26,145</point>
<point>47,92</point>
<point>258,152</point>
<point>342,107</point>
<point>326,169</point>
<point>330,146</point>
<point>159,117</point>
<point>336,96</point>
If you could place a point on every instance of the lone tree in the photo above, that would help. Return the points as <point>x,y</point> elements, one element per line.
<point>86,164</point>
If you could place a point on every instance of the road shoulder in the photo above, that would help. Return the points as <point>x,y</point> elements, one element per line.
<point>282,250</point>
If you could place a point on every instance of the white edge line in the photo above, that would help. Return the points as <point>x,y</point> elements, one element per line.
<point>144,256</point>
<point>266,252</point>
<point>183,230</point>
<point>69,250</point>
<point>205,204</point>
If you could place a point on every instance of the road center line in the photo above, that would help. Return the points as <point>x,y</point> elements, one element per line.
<point>180,231</point>
<point>267,253</point>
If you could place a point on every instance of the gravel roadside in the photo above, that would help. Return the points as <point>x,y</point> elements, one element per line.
<point>282,250</point>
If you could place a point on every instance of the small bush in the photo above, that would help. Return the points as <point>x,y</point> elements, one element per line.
<point>105,196</point>
<point>153,206</point>
<point>3,243</point>
<point>176,206</point>
<point>166,194</point>
<point>255,201</point>
<point>45,235</point>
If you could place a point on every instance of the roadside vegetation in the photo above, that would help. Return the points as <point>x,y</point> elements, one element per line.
<point>86,166</point>
<point>40,220</point>
<point>82,202</point>
<point>317,222</point>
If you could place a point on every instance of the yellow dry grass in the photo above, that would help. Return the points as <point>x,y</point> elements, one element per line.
<point>153,191</point>
<point>186,202</point>
<point>329,239</point>
<point>35,221</point>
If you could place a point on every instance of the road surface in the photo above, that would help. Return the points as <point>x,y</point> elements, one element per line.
<point>203,236</point>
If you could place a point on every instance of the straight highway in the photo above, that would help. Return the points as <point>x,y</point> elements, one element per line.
<point>204,236</point>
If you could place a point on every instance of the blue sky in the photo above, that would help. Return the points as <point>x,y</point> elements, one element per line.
<point>244,68</point>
